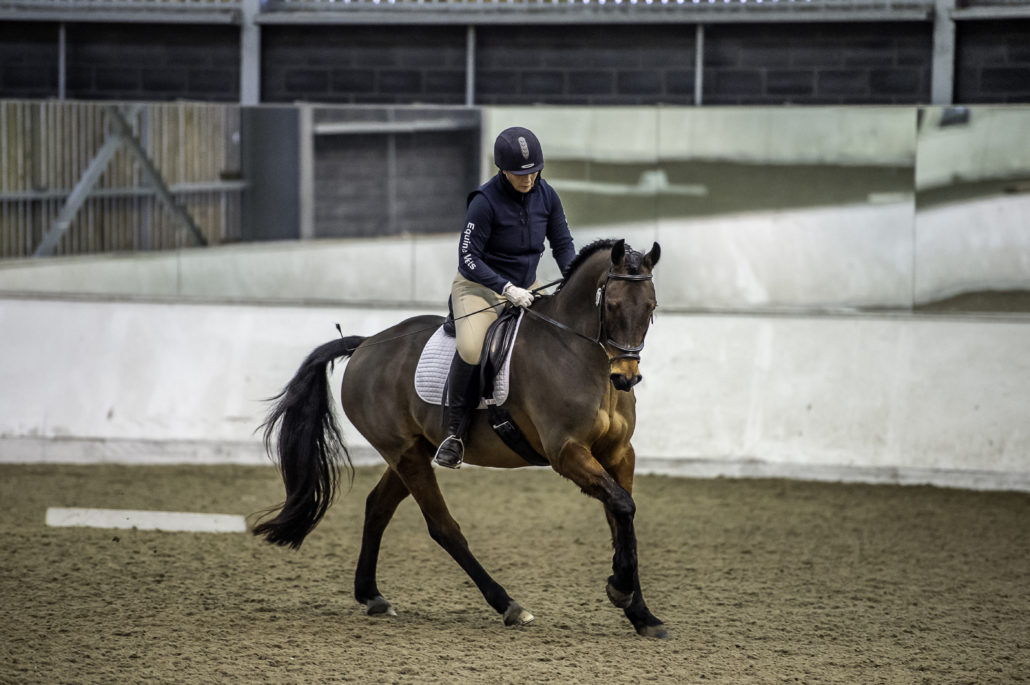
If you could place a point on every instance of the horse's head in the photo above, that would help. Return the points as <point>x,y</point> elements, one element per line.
<point>626,296</point>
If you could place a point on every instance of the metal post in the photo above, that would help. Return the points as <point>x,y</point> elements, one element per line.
<point>306,156</point>
<point>391,183</point>
<point>250,54</point>
<point>942,83</point>
<point>699,62</point>
<point>470,66</point>
<point>62,60</point>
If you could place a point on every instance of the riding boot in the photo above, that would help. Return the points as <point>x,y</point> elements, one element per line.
<point>461,400</point>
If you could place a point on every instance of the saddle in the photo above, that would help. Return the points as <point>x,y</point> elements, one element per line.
<point>493,368</point>
<point>493,360</point>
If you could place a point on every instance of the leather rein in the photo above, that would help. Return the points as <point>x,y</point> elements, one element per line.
<point>602,338</point>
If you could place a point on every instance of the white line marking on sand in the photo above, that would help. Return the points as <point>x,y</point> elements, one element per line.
<point>145,520</point>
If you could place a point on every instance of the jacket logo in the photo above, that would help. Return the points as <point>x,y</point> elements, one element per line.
<point>524,146</point>
<point>466,238</point>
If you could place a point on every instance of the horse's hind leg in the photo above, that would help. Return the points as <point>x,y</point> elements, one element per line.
<point>417,473</point>
<point>578,465</point>
<point>380,506</point>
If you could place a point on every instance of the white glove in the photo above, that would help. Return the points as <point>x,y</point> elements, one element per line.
<point>520,297</point>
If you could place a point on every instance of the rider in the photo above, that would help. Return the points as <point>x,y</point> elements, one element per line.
<point>506,222</point>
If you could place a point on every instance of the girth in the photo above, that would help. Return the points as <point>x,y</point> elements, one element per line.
<point>499,338</point>
<point>498,341</point>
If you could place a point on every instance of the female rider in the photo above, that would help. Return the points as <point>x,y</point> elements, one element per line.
<point>506,221</point>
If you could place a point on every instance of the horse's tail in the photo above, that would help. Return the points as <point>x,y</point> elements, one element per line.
<point>308,446</point>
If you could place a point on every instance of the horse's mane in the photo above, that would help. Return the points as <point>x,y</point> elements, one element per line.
<point>633,257</point>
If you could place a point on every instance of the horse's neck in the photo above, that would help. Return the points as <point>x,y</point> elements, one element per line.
<point>575,304</point>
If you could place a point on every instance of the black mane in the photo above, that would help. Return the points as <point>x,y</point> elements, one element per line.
<point>633,257</point>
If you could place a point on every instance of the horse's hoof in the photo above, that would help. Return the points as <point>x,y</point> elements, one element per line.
<point>377,606</point>
<point>516,615</point>
<point>620,599</point>
<point>658,631</point>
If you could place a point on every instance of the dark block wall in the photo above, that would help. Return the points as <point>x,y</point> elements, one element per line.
<point>363,64</point>
<point>857,63</point>
<point>585,65</point>
<point>153,62</point>
<point>122,62</point>
<point>993,62</point>
<point>28,60</point>
<point>775,63</point>
<point>432,173</point>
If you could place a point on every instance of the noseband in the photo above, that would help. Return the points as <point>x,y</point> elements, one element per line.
<point>602,338</point>
<point>628,351</point>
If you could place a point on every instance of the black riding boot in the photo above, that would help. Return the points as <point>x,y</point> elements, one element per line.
<point>461,400</point>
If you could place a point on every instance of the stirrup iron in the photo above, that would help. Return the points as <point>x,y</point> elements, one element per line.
<point>451,457</point>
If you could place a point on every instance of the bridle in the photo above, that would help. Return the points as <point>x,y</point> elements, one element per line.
<point>628,351</point>
<point>602,338</point>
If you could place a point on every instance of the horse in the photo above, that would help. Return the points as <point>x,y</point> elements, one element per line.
<point>573,368</point>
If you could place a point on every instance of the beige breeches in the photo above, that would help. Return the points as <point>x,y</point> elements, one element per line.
<point>467,297</point>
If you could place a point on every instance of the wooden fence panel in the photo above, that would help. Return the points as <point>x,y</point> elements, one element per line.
<point>48,147</point>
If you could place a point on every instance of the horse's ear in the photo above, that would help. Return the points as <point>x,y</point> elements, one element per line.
<point>618,252</point>
<point>651,258</point>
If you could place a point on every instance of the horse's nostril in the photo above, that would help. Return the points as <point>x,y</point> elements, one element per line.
<point>623,382</point>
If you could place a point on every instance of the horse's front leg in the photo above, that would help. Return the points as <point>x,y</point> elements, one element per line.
<point>578,465</point>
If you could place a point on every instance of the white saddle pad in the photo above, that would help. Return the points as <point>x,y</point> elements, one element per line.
<point>435,364</point>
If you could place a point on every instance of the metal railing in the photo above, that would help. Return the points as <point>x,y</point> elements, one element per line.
<point>120,4</point>
<point>798,5</point>
<point>322,5</point>
<point>72,183</point>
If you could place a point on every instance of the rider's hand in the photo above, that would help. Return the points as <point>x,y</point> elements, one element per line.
<point>520,297</point>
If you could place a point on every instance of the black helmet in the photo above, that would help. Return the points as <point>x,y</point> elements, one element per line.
<point>518,152</point>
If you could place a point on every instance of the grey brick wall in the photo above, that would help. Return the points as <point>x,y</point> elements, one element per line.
<point>28,60</point>
<point>355,195</point>
<point>817,64</point>
<point>598,65</point>
<point>152,62</point>
<point>601,65</point>
<point>993,62</point>
<point>364,64</point>
<point>122,61</point>
<point>808,63</point>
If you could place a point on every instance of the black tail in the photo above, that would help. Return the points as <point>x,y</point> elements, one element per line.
<point>309,446</point>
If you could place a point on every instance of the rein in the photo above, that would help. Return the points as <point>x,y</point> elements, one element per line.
<point>628,351</point>
<point>458,318</point>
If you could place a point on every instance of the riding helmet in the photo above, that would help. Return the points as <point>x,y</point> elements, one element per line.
<point>518,151</point>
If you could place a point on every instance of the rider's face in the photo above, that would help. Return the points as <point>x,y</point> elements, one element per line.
<point>523,184</point>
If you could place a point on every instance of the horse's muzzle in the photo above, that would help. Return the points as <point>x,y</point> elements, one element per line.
<point>624,373</point>
<point>624,382</point>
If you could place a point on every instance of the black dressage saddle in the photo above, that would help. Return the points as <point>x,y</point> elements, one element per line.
<point>496,345</point>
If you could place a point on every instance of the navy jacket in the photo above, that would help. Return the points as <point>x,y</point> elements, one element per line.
<point>504,233</point>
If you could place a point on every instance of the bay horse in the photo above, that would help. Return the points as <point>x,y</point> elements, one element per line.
<point>573,368</point>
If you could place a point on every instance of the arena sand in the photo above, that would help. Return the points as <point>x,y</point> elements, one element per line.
<point>757,580</point>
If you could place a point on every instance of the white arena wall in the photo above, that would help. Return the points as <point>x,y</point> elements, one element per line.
<point>178,372</point>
